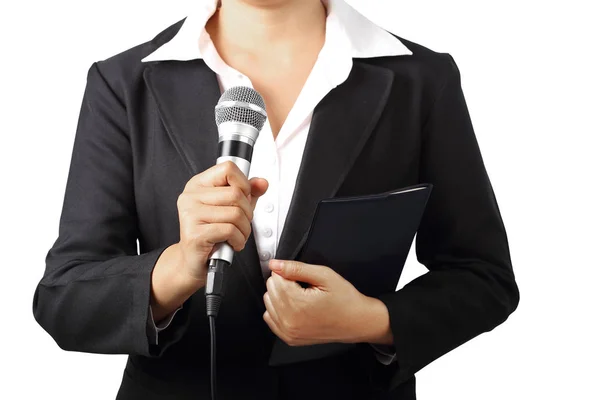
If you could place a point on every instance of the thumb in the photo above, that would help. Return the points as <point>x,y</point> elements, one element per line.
<point>315,275</point>
<point>258,187</point>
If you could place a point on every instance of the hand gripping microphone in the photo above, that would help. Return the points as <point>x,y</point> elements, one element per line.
<point>240,115</point>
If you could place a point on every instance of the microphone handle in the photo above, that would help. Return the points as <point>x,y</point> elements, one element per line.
<point>223,251</point>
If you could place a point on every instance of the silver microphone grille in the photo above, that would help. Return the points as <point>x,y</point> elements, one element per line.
<point>243,105</point>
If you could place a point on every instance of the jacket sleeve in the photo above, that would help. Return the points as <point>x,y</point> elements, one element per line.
<point>94,295</point>
<point>153,329</point>
<point>386,355</point>
<point>470,286</point>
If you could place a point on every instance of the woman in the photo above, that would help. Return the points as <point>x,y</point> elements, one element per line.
<point>351,110</point>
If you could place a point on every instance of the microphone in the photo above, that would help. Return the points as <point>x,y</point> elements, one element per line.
<point>240,115</point>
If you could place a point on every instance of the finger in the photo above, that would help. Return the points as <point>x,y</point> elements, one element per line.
<point>222,174</point>
<point>316,275</point>
<point>219,196</point>
<point>271,307</point>
<point>268,318</point>
<point>217,233</point>
<point>273,289</point>
<point>223,214</point>
<point>259,187</point>
<point>280,287</point>
<point>273,326</point>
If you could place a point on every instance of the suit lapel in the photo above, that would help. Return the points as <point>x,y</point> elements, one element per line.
<point>186,94</point>
<point>342,123</point>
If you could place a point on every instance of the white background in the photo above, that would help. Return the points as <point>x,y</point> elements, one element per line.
<point>531,78</point>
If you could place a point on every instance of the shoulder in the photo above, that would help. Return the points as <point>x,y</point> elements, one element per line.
<point>126,67</point>
<point>426,68</point>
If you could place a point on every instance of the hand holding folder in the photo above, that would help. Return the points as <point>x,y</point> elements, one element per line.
<point>366,240</point>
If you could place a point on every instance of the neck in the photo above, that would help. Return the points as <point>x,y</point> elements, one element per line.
<point>254,25</point>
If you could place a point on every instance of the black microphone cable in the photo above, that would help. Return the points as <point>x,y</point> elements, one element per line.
<point>214,296</point>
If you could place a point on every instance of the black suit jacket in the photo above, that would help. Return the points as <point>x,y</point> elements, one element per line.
<point>146,128</point>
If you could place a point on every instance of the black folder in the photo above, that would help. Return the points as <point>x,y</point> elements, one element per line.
<point>366,239</point>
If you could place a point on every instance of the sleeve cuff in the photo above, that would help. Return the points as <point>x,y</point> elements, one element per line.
<point>153,329</point>
<point>384,354</point>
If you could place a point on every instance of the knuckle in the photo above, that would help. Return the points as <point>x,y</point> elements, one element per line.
<point>329,273</point>
<point>230,230</point>
<point>247,230</point>
<point>270,284</point>
<point>229,166</point>
<point>237,195</point>
<point>194,181</point>
<point>295,268</point>
<point>291,337</point>
<point>239,214</point>
<point>239,246</point>
<point>182,200</point>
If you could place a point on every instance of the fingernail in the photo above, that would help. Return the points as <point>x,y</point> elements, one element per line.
<point>276,265</point>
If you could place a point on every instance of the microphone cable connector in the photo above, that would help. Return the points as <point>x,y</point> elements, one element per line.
<point>215,285</point>
<point>214,291</point>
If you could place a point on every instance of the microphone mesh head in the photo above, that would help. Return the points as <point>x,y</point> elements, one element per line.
<point>240,112</point>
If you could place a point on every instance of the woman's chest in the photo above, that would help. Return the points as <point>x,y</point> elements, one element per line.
<point>280,93</point>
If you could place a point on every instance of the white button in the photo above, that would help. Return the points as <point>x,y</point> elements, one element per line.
<point>265,255</point>
<point>269,207</point>
<point>267,232</point>
<point>240,76</point>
